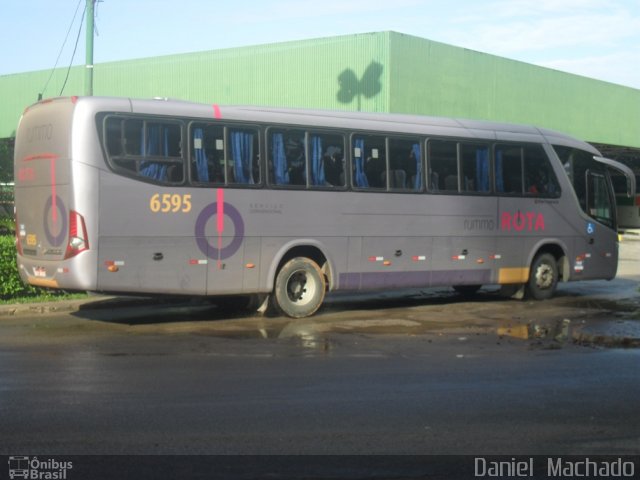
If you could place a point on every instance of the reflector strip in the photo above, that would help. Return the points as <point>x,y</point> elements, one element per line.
<point>376,259</point>
<point>495,257</point>
<point>458,257</point>
<point>419,258</point>
<point>117,263</point>
<point>197,261</point>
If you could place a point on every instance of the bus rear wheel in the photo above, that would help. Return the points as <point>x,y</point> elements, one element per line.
<point>543,277</point>
<point>299,288</point>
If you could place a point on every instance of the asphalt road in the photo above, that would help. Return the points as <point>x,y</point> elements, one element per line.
<point>189,394</point>
<point>422,373</point>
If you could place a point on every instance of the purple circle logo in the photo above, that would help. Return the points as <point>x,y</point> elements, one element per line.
<point>218,252</point>
<point>53,219</point>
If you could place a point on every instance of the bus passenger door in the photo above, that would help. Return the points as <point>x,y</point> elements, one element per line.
<point>598,256</point>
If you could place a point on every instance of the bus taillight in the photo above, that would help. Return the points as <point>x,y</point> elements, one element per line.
<point>78,239</point>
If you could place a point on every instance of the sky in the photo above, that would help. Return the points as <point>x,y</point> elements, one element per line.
<point>594,38</point>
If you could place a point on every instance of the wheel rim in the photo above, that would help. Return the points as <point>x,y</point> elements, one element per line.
<point>301,287</point>
<point>544,276</point>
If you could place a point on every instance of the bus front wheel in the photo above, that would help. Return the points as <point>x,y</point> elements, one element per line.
<point>299,288</point>
<point>543,277</point>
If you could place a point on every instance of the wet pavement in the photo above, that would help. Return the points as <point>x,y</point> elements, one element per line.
<point>590,313</point>
<point>402,373</point>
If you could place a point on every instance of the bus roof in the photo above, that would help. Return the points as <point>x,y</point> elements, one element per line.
<point>386,122</point>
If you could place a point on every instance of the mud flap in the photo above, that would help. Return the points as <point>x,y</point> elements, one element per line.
<point>512,291</point>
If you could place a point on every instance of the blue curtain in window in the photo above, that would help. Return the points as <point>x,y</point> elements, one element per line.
<point>482,169</point>
<point>317,165</point>
<point>281,175</point>
<point>499,172</point>
<point>361,178</point>
<point>242,153</point>
<point>417,183</point>
<point>157,145</point>
<point>201,156</point>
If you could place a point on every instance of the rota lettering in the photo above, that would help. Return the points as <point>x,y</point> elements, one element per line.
<point>522,221</point>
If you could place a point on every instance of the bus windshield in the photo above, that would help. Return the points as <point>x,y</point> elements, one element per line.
<point>591,183</point>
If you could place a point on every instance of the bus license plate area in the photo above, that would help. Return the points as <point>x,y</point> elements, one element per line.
<point>39,272</point>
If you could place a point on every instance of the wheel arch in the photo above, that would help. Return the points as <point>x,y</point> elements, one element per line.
<point>559,251</point>
<point>308,248</point>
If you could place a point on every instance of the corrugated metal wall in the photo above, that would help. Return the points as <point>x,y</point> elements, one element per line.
<point>20,90</point>
<point>438,79</point>
<point>295,74</point>
<point>379,72</point>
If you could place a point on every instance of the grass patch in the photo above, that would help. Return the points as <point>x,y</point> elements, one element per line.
<point>44,296</point>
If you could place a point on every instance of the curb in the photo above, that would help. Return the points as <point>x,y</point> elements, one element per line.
<point>35,308</point>
<point>91,303</point>
<point>609,333</point>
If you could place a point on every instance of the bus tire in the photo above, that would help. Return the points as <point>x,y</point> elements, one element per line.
<point>543,277</point>
<point>299,288</point>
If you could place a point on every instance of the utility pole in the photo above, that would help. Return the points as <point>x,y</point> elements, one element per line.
<point>88,77</point>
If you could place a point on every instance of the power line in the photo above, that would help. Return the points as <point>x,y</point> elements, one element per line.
<point>74,50</point>
<point>61,48</point>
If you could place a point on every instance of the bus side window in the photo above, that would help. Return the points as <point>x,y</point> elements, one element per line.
<point>326,165</point>
<point>162,141</point>
<point>475,167</point>
<point>243,156</point>
<point>369,162</point>
<point>540,179</point>
<point>508,168</point>
<point>405,165</point>
<point>442,160</point>
<point>133,136</point>
<point>287,157</point>
<point>207,154</point>
<point>144,148</point>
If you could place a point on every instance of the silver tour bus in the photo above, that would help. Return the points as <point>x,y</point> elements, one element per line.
<point>124,196</point>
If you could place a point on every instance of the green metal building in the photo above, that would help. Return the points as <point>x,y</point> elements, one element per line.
<point>376,72</point>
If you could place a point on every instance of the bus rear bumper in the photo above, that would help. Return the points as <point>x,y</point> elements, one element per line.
<point>77,273</point>
<point>42,282</point>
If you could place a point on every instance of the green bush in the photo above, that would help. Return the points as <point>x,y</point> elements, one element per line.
<point>7,226</point>
<point>11,285</point>
<point>12,289</point>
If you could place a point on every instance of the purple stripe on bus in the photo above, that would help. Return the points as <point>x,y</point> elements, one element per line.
<point>374,280</point>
